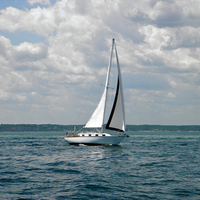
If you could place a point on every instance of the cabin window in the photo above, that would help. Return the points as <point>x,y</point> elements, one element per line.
<point>89,134</point>
<point>104,135</point>
<point>97,135</point>
<point>83,135</point>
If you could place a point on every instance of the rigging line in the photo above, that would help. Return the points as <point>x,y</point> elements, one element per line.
<point>95,78</point>
<point>85,102</point>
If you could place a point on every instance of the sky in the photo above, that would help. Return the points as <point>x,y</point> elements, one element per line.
<point>51,52</point>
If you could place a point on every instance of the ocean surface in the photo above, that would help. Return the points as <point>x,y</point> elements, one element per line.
<point>147,165</point>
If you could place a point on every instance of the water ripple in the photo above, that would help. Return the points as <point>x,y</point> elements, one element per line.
<point>150,165</point>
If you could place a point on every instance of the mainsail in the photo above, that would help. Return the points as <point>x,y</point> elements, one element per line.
<point>116,120</point>
<point>117,117</point>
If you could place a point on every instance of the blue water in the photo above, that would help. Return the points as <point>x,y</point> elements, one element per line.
<point>151,165</point>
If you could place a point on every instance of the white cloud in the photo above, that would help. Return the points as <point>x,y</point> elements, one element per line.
<point>155,37</point>
<point>39,20</point>
<point>20,97</point>
<point>3,95</point>
<point>165,10</point>
<point>30,52</point>
<point>43,2</point>
<point>158,47</point>
<point>170,95</point>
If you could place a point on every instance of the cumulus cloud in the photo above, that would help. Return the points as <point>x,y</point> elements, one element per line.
<point>39,20</point>
<point>31,52</point>
<point>158,47</point>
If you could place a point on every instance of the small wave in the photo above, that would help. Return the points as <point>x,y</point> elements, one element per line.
<point>67,171</point>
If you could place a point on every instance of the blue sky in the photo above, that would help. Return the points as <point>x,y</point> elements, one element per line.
<point>18,37</point>
<point>23,4</point>
<point>52,51</point>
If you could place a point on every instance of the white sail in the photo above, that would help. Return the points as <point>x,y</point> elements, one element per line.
<point>117,117</point>
<point>116,120</point>
<point>97,118</point>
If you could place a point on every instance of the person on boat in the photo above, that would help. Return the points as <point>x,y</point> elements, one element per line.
<point>67,134</point>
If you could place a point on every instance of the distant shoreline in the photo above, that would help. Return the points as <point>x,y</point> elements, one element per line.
<point>56,127</point>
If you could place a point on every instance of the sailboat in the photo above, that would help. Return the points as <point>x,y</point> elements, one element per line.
<point>116,120</point>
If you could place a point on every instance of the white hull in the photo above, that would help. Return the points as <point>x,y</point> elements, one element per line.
<point>94,140</point>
